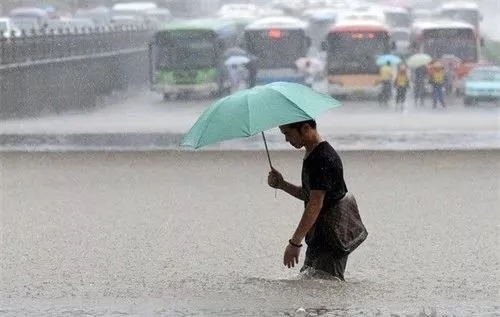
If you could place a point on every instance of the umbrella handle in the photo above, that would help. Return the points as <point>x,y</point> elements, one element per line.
<point>269,159</point>
<point>267,150</point>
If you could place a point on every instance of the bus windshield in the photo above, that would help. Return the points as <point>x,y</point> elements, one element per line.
<point>461,43</point>
<point>356,53</point>
<point>277,48</point>
<point>186,50</point>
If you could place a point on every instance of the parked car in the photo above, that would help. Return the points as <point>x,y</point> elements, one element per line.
<point>28,18</point>
<point>126,20</point>
<point>482,84</point>
<point>235,9</point>
<point>63,24</point>
<point>157,18</point>
<point>101,16</point>
<point>126,12</point>
<point>7,27</point>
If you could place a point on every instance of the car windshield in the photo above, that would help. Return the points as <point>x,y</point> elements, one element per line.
<point>485,75</point>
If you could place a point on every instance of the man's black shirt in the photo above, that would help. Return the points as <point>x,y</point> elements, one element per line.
<point>322,170</point>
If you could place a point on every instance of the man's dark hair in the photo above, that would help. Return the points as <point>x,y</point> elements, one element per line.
<point>298,125</point>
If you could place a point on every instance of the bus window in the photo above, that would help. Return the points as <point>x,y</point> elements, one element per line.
<point>197,52</point>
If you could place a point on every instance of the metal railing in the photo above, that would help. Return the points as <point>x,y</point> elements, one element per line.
<point>39,45</point>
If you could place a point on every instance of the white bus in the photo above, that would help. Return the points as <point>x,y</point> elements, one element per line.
<point>464,11</point>
<point>277,42</point>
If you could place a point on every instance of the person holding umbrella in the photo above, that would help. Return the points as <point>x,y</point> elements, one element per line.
<point>331,223</point>
<point>419,63</point>
<point>420,75</point>
<point>251,63</point>
<point>322,187</point>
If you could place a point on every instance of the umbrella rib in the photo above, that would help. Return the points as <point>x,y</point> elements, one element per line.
<point>295,105</point>
<point>249,115</point>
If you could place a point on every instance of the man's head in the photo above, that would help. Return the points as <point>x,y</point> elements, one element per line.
<point>299,133</point>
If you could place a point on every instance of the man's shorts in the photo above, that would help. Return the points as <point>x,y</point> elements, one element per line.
<point>324,264</point>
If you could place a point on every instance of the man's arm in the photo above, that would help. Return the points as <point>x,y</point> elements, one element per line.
<point>309,218</point>
<point>310,215</point>
<point>291,189</point>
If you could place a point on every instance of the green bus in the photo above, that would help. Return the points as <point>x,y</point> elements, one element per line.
<point>188,57</point>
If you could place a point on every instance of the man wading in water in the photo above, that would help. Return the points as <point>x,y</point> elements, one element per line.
<point>322,188</point>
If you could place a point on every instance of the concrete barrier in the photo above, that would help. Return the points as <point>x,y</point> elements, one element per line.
<point>39,77</point>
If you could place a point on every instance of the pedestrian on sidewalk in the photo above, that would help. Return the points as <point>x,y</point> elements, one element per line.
<point>419,80</point>
<point>437,80</point>
<point>386,77</point>
<point>401,83</point>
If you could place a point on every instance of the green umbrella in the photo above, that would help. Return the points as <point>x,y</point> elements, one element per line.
<point>252,111</point>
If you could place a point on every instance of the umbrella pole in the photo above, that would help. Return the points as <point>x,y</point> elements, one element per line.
<point>269,159</point>
<point>267,150</point>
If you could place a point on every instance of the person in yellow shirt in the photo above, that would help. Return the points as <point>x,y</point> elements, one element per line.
<point>386,76</point>
<point>401,83</point>
<point>437,80</point>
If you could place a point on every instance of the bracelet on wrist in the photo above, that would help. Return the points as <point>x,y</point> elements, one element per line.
<point>294,244</point>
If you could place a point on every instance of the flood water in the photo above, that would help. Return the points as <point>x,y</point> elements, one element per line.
<point>200,234</point>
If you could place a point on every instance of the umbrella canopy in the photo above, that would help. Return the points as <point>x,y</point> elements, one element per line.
<point>418,60</point>
<point>392,59</point>
<point>251,111</point>
<point>236,60</point>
